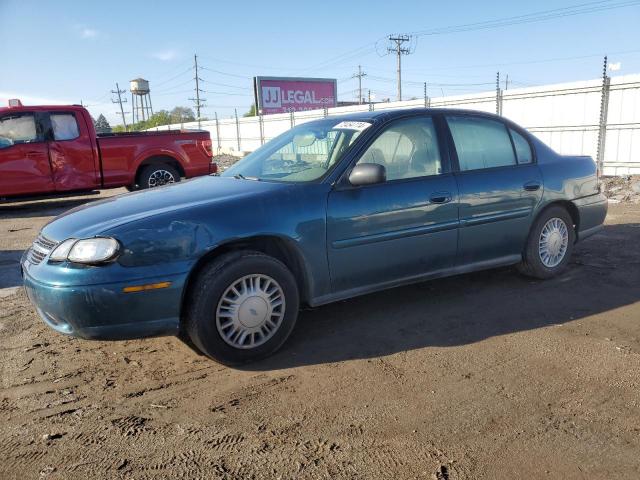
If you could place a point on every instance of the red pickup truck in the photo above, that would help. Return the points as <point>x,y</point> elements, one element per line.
<point>55,149</point>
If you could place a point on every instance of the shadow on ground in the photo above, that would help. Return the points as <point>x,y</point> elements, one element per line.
<point>10,268</point>
<point>44,207</point>
<point>604,274</point>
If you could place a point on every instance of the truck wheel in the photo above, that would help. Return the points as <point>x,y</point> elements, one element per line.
<point>158,174</point>
<point>242,307</point>
<point>549,245</point>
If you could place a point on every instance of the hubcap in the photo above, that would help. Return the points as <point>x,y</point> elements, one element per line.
<point>554,240</point>
<point>250,311</point>
<point>160,177</point>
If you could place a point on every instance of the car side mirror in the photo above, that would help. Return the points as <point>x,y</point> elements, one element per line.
<point>367,174</point>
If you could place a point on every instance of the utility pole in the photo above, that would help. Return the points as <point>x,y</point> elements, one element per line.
<point>197,101</point>
<point>120,101</point>
<point>506,82</point>
<point>359,76</point>
<point>399,51</point>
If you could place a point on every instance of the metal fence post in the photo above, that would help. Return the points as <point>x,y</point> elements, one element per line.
<point>604,110</point>
<point>237,129</point>
<point>218,133</point>
<point>498,95</point>
<point>426,98</point>
<point>261,122</point>
<point>292,118</point>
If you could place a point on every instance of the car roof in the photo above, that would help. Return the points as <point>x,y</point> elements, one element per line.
<point>387,115</point>
<point>39,108</point>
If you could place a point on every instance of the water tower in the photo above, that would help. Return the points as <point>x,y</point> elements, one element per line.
<point>141,108</point>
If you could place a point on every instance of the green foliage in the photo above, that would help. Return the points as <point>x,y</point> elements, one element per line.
<point>101,124</point>
<point>159,118</point>
<point>182,115</point>
<point>252,111</point>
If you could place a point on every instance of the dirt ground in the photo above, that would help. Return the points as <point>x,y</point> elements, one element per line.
<point>483,376</point>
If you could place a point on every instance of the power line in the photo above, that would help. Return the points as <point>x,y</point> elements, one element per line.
<point>166,94</point>
<point>228,93</point>
<point>172,87</point>
<point>223,84</point>
<point>224,73</point>
<point>249,65</point>
<point>548,60</point>
<point>174,77</point>
<point>543,15</point>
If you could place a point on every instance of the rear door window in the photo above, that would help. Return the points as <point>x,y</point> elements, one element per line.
<point>523,149</point>
<point>17,129</point>
<point>65,126</point>
<point>481,142</point>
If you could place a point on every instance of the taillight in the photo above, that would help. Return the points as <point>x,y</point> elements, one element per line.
<point>206,146</point>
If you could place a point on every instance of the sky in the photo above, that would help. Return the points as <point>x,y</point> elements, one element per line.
<point>75,51</point>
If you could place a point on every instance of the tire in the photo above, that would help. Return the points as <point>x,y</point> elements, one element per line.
<point>156,175</point>
<point>532,263</point>
<point>207,312</point>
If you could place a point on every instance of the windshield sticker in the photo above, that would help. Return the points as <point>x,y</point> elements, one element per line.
<point>358,126</point>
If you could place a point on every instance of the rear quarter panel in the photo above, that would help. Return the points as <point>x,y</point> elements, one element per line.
<point>573,179</point>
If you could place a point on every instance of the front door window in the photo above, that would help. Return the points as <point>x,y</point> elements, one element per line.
<point>407,149</point>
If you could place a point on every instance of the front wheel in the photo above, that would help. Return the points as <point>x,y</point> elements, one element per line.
<point>156,175</point>
<point>242,307</point>
<point>549,245</point>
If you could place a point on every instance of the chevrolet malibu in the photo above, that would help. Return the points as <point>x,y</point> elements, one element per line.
<point>331,209</point>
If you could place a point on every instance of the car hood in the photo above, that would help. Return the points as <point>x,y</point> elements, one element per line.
<point>95,218</point>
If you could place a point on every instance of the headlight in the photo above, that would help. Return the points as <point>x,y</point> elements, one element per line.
<point>93,250</point>
<point>90,250</point>
<point>61,252</point>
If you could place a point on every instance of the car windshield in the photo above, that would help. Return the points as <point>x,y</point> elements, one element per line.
<point>303,154</point>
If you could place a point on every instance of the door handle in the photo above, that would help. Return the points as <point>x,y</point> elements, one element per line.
<point>34,154</point>
<point>440,197</point>
<point>531,186</point>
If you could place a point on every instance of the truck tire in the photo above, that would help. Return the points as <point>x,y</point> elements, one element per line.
<point>157,174</point>
<point>550,244</point>
<point>241,307</point>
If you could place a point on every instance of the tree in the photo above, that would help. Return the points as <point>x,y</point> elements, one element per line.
<point>102,125</point>
<point>182,115</point>
<point>252,111</point>
<point>161,117</point>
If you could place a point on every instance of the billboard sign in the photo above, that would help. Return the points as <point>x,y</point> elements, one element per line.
<point>287,94</point>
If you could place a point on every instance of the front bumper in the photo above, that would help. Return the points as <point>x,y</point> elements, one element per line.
<point>103,311</point>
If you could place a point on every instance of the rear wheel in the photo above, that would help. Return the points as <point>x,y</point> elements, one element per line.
<point>242,307</point>
<point>158,174</point>
<point>549,245</point>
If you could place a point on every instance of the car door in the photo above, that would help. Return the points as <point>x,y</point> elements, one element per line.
<point>499,186</point>
<point>24,158</point>
<point>400,229</point>
<point>72,158</point>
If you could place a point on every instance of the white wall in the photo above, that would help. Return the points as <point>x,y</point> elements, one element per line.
<point>565,116</point>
